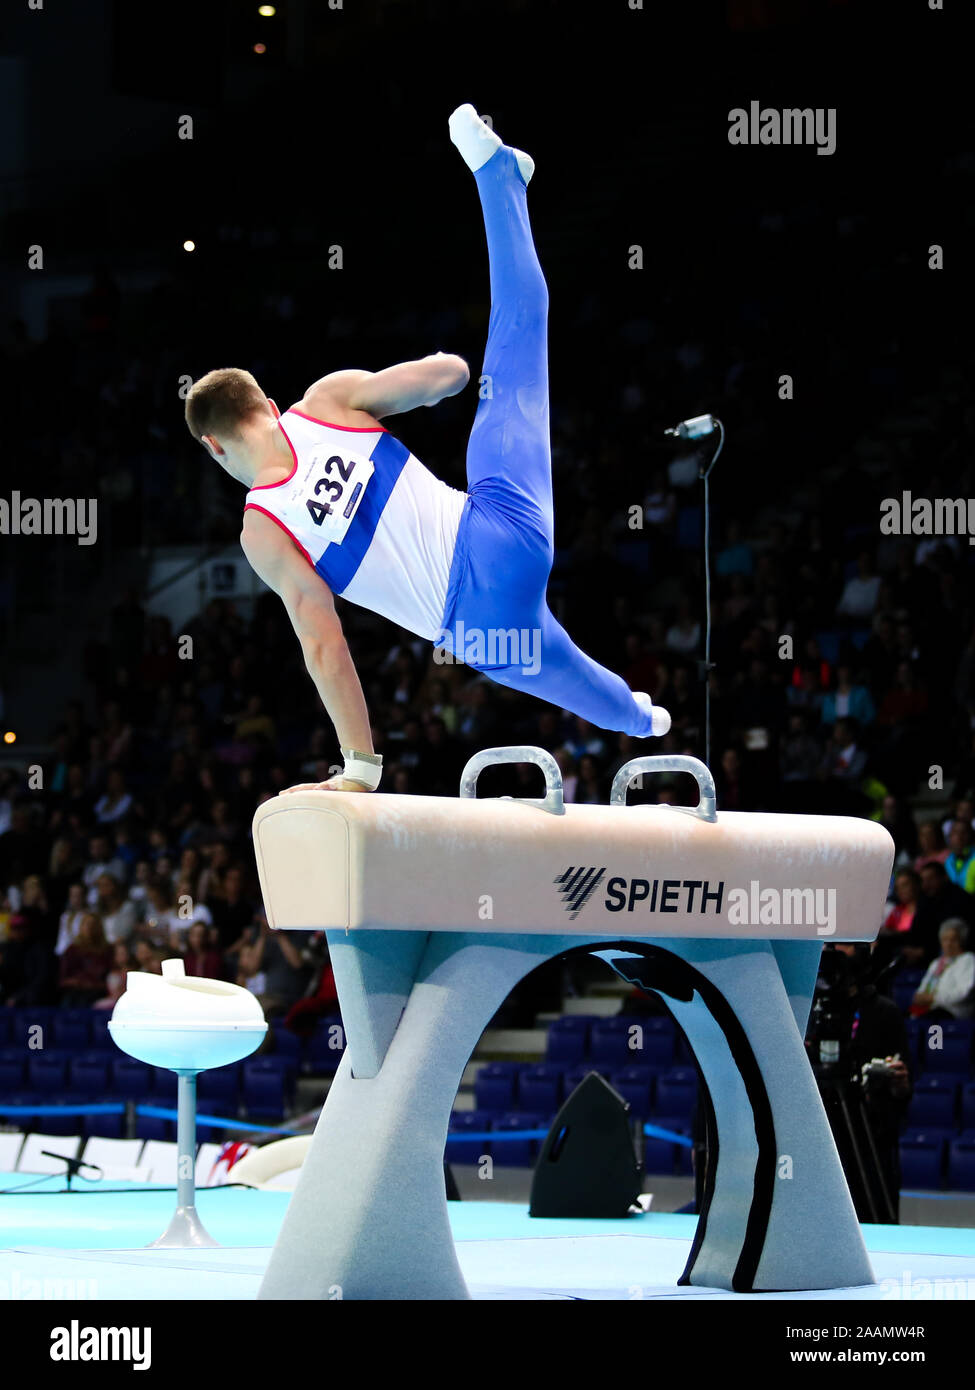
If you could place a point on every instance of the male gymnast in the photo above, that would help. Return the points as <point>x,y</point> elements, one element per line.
<point>337,505</point>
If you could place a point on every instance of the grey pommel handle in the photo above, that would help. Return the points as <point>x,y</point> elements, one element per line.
<point>707,807</point>
<point>518,753</point>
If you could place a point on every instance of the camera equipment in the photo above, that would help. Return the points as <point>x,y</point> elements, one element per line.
<point>853,1096</point>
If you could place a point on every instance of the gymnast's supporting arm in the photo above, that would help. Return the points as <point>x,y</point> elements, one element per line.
<point>311,608</point>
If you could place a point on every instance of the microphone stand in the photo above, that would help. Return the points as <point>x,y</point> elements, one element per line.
<point>698,428</point>
<point>72,1165</point>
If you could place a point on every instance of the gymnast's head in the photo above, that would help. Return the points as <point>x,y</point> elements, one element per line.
<point>229,414</point>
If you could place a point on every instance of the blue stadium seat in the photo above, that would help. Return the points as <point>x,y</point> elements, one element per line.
<point>567,1039</point>
<point>968,1106</point>
<point>494,1086</point>
<point>676,1092</point>
<point>289,1046</point>
<point>460,1150</point>
<point>148,1127</point>
<point>165,1086</point>
<point>101,1038</point>
<point>662,1051</point>
<point>682,1152</point>
<point>27,1017</point>
<point>658,1050</point>
<point>217,1090</point>
<point>25,1122</point>
<point>658,1157</point>
<point>949,1049</point>
<point>609,1042</point>
<point>540,1088</point>
<point>325,1046</point>
<point>131,1080</point>
<point>517,1153</point>
<point>922,1158</point>
<point>902,994</point>
<point>265,1085</point>
<point>661,1156</point>
<point>913,1026</point>
<point>13,1069</point>
<point>47,1071</point>
<point>103,1126</point>
<point>934,1103</point>
<point>576,1075</point>
<point>71,1029</point>
<point>89,1073</point>
<point>61,1124</point>
<point>961,1163</point>
<point>635,1085</point>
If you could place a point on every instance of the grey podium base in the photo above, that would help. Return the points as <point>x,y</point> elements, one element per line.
<point>368,1219</point>
<point>185,1231</point>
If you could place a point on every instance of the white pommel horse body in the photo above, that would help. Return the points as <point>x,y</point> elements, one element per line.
<point>434,909</point>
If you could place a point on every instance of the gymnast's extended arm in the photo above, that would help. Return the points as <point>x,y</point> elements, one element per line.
<point>310,606</point>
<point>393,390</point>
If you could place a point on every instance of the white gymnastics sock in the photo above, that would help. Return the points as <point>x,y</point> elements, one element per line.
<point>659,716</point>
<point>477,142</point>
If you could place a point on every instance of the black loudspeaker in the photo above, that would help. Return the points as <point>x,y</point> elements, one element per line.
<point>587,1166</point>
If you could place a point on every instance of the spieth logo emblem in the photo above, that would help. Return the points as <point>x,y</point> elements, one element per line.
<point>577,887</point>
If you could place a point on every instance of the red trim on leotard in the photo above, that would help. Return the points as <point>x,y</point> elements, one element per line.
<point>294,469</point>
<point>253,506</point>
<point>354,429</point>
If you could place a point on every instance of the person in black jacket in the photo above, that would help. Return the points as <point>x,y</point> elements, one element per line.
<point>868,1027</point>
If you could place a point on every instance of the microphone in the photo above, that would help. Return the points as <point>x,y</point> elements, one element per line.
<point>695,428</point>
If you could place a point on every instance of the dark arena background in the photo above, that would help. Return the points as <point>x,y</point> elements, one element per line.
<point>198,184</point>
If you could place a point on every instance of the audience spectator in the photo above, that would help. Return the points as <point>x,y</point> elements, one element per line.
<point>939,900</point>
<point>907,892</point>
<point>200,957</point>
<point>964,810</point>
<point>894,816</point>
<point>71,918</point>
<point>931,845</point>
<point>848,700</point>
<point>101,861</point>
<point>271,964</point>
<point>26,964</point>
<point>232,913</point>
<point>948,986</point>
<point>148,958</point>
<point>859,597</point>
<point>960,864</point>
<point>85,964</point>
<point>122,963</point>
<point>116,913</point>
<point>116,802</point>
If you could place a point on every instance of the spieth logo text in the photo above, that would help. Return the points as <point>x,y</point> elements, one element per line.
<point>751,906</point>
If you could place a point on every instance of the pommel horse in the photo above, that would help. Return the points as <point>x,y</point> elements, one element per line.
<point>435,907</point>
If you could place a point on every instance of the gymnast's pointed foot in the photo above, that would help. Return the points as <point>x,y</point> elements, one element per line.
<point>477,142</point>
<point>660,718</point>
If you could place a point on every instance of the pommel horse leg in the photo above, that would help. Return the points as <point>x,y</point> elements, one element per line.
<point>777,1211</point>
<point>369,1220</point>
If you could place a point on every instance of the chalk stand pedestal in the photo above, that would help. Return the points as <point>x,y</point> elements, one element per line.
<point>188,1025</point>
